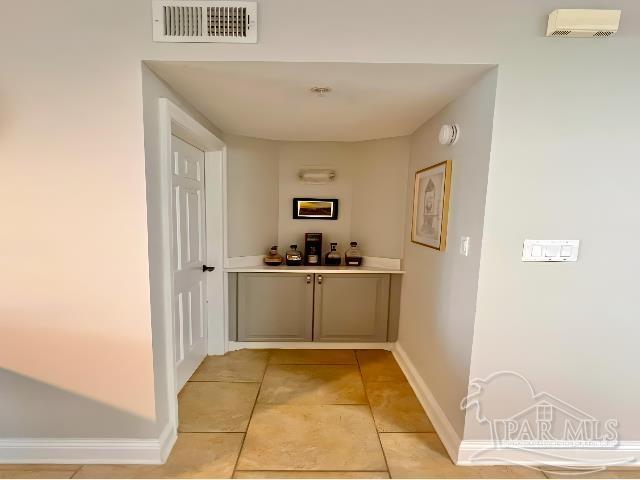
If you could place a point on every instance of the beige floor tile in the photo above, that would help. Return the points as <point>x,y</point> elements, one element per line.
<point>195,455</point>
<point>238,366</point>
<point>625,473</point>
<point>422,455</point>
<point>311,437</point>
<point>37,466</point>
<point>312,385</point>
<point>306,474</point>
<point>571,474</point>
<point>216,406</point>
<point>37,471</point>
<point>312,357</point>
<point>379,366</point>
<point>396,408</point>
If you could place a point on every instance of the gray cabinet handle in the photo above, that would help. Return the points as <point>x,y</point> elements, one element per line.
<point>319,279</point>
<point>308,279</point>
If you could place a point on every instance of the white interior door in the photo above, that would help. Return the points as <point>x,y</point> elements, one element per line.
<point>189,254</point>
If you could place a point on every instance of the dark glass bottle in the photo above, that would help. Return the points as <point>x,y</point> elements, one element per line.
<point>333,257</point>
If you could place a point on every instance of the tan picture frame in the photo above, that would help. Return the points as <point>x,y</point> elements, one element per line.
<point>431,193</point>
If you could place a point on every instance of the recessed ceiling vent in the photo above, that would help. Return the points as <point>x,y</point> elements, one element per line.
<point>205,21</point>
<point>583,23</point>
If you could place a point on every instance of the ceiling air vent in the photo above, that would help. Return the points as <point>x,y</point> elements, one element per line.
<point>205,21</point>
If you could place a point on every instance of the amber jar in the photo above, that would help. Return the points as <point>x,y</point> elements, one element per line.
<point>294,256</point>
<point>353,257</point>
<point>273,258</point>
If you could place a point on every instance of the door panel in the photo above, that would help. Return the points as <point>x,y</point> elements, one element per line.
<point>351,308</point>
<point>189,254</point>
<point>275,307</point>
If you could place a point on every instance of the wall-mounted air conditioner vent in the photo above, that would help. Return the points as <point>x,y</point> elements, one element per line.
<point>205,21</point>
<point>583,23</point>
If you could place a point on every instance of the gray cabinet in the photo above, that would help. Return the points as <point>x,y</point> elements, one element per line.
<point>275,307</point>
<point>353,308</point>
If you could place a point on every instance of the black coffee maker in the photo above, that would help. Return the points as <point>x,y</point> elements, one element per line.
<point>312,248</point>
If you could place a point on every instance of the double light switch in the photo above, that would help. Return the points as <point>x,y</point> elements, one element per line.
<point>550,250</point>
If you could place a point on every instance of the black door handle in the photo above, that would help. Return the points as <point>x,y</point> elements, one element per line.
<point>208,269</point>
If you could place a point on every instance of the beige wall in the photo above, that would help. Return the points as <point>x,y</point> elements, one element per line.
<point>252,195</point>
<point>370,185</point>
<point>75,265</point>
<point>437,310</point>
<point>292,157</point>
<point>379,192</point>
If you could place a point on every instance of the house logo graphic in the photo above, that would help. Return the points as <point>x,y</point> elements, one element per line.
<point>540,422</point>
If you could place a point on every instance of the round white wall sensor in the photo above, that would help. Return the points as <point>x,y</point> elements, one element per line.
<point>449,134</point>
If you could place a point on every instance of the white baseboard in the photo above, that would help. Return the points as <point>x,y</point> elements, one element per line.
<point>239,262</point>
<point>311,345</point>
<point>483,452</point>
<point>89,450</point>
<point>167,440</point>
<point>381,262</point>
<point>443,427</point>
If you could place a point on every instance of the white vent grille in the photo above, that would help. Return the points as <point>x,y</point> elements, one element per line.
<point>182,21</point>
<point>227,21</point>
<point>205,21</point>
<point>602,34</point>
<point>560,33</point>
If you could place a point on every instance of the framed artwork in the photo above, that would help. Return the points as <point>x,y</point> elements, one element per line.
<point>315,208</point>
<point>431,205</point>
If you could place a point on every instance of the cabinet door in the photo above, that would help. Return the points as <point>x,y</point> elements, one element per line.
<point>275,307</point>
<point>351,307</point>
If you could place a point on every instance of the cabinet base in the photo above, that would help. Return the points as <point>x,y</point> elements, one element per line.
<point>312,345</point>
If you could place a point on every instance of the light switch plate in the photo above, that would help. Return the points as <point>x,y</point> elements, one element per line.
<point>464,246</point>
<point>550,250</point>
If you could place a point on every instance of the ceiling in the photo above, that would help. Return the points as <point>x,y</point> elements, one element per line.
<point>272,99</point>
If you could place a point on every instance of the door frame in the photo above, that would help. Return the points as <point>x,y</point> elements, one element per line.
<point>175,121</point>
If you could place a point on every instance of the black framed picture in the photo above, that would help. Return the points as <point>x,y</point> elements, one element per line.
<point>315,208</point>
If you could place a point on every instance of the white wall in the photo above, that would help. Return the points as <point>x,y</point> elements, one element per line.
<point>379,192</point>
<point>252,195</point>
<point>571,329</point>
<point>437,309</point>
<point>74,301</point>
<point>73,195</point>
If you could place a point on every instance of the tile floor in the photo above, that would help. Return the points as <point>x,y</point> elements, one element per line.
<point>299,414</point>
